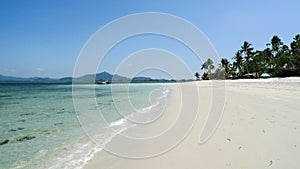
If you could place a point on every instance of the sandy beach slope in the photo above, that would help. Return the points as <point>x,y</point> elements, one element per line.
<point>260,128</point>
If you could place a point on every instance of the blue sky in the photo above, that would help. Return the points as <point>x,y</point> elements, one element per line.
<point>44,38</point>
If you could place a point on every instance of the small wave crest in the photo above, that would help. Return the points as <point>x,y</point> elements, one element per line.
<point>82,152</point>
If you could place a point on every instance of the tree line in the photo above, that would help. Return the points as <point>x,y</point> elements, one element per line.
<point>276,60</point>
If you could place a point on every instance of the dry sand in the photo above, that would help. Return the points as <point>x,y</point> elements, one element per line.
<point>260,128</point>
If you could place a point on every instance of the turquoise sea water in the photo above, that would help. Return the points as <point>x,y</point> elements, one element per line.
<point>39,127</point>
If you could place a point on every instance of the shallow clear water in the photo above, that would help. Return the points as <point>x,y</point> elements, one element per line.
<point>39,126</point>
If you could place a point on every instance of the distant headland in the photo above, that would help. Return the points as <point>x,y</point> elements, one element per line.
<point>90,78</point>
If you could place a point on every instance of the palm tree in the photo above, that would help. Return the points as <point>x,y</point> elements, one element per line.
<point>197,75</point>
<point>277,59</point>
<point>295,48</point>
<point>295,51</point>
<point>238,62</point>
<point>259,62</point>
<point>284,60</point>
<point>208,65</point>
<point>205,76</point>
<point>226,65</point>
<point>277,54</point>
<point>247,50</point>
<point>268,56</point>
<point>262,61</point>
<point>276,45</point>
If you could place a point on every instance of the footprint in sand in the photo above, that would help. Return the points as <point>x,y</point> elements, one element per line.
<point>271,162</point>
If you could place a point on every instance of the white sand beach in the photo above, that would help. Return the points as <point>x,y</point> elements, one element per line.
<point>260,128</point>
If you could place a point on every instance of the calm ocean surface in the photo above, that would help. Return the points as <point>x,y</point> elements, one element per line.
<point>39,127</point>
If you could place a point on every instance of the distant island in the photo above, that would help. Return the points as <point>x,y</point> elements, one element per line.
<point>91,78</point>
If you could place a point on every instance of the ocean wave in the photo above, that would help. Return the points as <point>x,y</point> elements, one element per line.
<point>80,154</point>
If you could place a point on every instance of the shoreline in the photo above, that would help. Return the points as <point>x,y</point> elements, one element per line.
<point>123,124</point>
<point>255,115</point>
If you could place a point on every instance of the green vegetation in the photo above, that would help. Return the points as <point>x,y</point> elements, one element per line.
<point>197,75</point>
<point>277,60</point>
